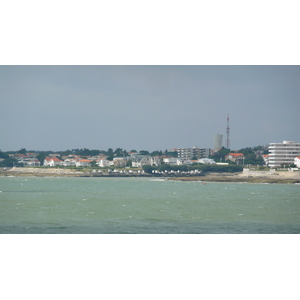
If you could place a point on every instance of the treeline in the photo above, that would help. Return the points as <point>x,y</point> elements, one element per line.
<point>253,155</point>
<point>7,161</point>
<point>185,168</point>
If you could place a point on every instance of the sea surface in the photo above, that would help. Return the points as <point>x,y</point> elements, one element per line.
<point>53,205</point>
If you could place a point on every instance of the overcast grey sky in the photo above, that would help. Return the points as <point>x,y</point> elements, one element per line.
<point>147,107</point>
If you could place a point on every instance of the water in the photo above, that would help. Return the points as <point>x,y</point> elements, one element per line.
<point>143,205</point>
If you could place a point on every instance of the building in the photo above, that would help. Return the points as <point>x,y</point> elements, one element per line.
<point>139,160</point>
<point>52,162</point>
<point>185,153</point>
<point>265,158</point>
<point>83,163</point>
<point>119,162</point>
<point>297,161</point>
<point>238,158</point>
<point>218,142</point>
<point>206,161</point>
<point>31,162</point>
<point>155,161</point>
<point>69,162</point>
<point>204,152</point>
<point>173,161</point>
<point>195,152</point>
<point>103,163</point>
<point>283,154</point>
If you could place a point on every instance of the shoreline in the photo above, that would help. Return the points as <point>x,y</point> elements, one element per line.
<point>237,179</point>
<point>286,177</point>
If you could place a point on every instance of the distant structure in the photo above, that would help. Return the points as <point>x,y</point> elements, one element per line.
<point>189,153</point>
<point>218,142</point>
<point>284,153</point>
<point>228,133</point>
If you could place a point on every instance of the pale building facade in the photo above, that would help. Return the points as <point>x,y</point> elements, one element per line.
<point>189,153</point>
<point>103,163</point>
<point>83,163</point>
<point>238,158</point>
<point>284,153</point>
<point>52,162</point>
<point>297,161</point>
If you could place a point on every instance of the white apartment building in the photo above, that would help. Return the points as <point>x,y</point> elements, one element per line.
<point>185,153</point>
<point>189,153</point>
<point>283,153</point>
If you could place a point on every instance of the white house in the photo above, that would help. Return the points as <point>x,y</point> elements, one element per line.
<point>154,161</point>
<point>52,161</point>
<point>140,160</point>
<point>266,158</point>
<point>206,161</point>
<point>297,161</point>
<point>69,162</point>
<point>30,162</point>
<point>119,162</point>
<point>173,161</point>
<point>83,163</point>
<point>104,163</point>
<point>235,157</point>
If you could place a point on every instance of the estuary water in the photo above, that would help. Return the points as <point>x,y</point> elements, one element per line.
<point>35,205</point>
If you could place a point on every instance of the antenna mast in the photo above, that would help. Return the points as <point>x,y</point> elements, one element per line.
<point>228,132</point>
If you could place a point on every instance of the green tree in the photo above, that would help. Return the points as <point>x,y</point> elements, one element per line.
<point>41,157</point>
<point>110,157</point>
<point>85,152</point>
<point>3,155</point>
<point>94,164</point>
<point>22,151</point>
<point>156,153</point>
<point>148,169</point>
<point>118,152</point>
<point>10,162</point>
<point>94,152</point>
<point>66,153</point>
<point>144,152</point>
<point>164,167</point>
<point>220,155</point>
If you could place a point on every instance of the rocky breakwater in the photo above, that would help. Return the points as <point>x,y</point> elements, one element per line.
<point>41,172</point>
<point>62,172</point>
<point>248,176</point>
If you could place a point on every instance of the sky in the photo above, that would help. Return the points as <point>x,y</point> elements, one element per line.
<point>151,107</point>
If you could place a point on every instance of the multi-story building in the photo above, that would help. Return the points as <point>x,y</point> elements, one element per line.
<point>204,152</point>
<point>284,153</point>
<point>189,153</point>
<point>185,153</point>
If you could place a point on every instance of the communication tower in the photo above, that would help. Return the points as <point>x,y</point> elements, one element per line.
<point>228,132</point>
